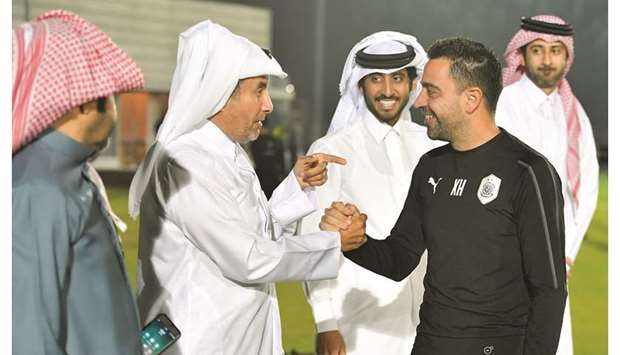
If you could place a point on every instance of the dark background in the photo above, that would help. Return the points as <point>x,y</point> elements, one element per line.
<point>311,39</point>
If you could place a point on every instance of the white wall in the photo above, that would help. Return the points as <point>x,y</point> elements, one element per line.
<point>147,29</point>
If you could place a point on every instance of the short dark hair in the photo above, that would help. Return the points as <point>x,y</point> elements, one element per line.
<point>471,64</point>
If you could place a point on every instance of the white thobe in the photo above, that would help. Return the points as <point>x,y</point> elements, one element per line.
<point>211,246</point>
<point>538,120</point>
<point>375,315</point>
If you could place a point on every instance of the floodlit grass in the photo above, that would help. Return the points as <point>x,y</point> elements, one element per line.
<point>588,285</point>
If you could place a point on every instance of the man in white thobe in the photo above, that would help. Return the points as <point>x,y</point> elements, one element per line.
<point>361,312</point>
<point>211,245</point>
<point>540,109</point>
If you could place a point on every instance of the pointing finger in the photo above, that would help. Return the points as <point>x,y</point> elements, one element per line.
<point>328,158</point>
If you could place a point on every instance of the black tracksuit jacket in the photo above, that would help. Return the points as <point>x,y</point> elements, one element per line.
<point>491,219</point>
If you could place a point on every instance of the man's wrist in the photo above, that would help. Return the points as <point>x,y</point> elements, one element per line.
<point>326,326</point>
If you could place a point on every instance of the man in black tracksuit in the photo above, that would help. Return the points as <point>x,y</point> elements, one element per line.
<point>489,211</point>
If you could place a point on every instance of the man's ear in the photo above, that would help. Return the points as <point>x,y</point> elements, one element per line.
<point>472,99</point>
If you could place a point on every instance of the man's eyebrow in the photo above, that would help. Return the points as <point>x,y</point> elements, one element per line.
<point>428,85</point>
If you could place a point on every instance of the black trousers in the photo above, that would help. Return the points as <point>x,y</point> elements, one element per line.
<point>426,344</point>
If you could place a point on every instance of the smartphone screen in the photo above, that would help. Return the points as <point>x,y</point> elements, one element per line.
<point>159,335</point>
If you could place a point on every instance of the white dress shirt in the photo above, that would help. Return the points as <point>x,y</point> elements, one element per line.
<point>538,119</point>
<point>375,315</point>
<point>211,247</point>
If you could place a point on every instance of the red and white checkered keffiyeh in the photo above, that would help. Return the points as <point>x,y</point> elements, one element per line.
<point>514,69</point>
<point>61,61</point>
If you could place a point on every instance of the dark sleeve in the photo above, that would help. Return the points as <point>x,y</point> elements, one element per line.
<point>42,226</point>
<point>540,222</point>
<point>396,256</point>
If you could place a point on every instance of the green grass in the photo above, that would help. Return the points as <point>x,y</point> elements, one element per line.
<point>588,285</point>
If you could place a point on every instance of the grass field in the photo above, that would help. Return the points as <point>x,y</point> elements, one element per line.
<point>588,285</point>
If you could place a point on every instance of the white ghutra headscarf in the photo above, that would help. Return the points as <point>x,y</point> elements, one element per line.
<point>351,105</point>
<point>210,62</point>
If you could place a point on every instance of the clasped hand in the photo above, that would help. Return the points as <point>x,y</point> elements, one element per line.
<point>346,219</point>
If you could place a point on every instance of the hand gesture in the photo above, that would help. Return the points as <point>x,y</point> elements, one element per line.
<point>346,219</point>
<point>311,170</point>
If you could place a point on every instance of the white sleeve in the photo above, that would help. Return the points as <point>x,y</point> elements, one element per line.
<point>204,208</point>
<point>288,203</point>
<point>588,189</point>
<point>319,293</point>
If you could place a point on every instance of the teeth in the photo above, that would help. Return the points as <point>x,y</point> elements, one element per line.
<point>387,104</point>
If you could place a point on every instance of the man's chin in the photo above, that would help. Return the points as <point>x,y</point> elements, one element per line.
<point>103,145</point>
<point>252,137</point>
<point>387,117</point>
<point>100,147</point>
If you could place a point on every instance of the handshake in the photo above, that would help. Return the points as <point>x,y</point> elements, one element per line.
<point>346,219</point>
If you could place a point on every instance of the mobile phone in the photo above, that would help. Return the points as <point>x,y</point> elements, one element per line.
<point>159,335</point>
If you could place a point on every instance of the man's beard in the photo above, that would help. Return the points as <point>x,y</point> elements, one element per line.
<point>438,130</point>
<point>545,82</point>
<point>391,119</point>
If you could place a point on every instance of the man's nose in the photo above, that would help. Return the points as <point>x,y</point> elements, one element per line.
<point>547,57</point>
<point>388,88</point>
<point>422,100</point>
<point>267,104</point>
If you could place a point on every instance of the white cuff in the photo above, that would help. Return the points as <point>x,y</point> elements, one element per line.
<point>289,202</point>
<point>324,317</point>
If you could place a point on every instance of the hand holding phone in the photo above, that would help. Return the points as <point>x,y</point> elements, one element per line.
<point>159,335</point>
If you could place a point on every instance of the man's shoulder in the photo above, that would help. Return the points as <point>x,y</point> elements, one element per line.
<point>516,88</point>
<point>411,126</point>
<point>437,153</point>
<point>42,195</point>
<point>340,141</point>
<point>511,97</point>
<point>524,156</point>
<point>187,151</point>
